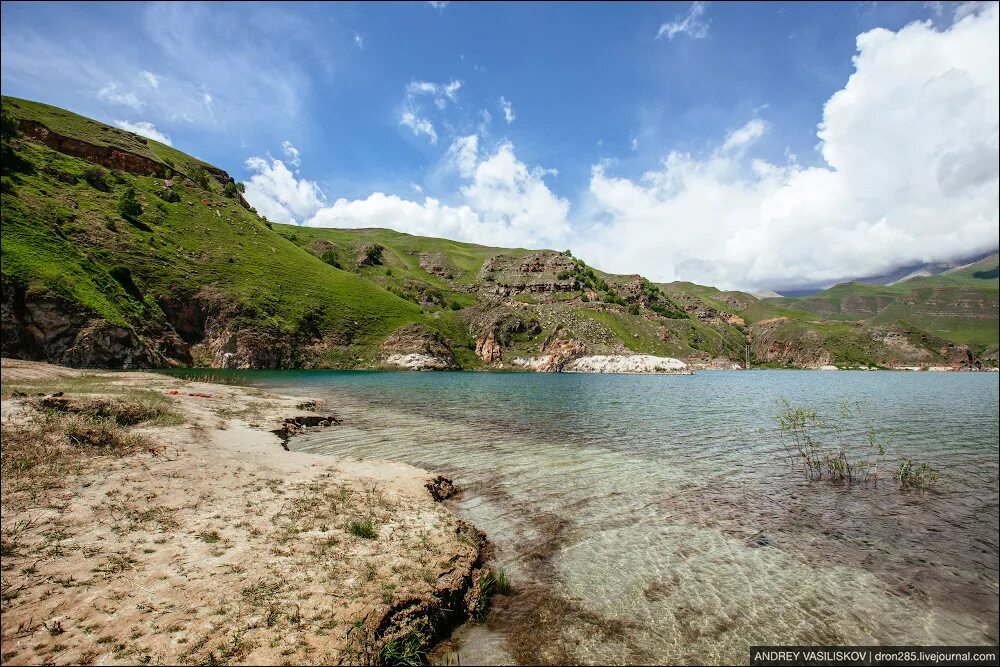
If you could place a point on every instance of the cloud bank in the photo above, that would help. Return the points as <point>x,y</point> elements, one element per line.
<point>906,171</point>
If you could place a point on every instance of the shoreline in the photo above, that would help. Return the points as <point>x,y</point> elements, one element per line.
<point>210,542</point>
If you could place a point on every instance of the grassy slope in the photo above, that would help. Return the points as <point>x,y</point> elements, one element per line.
<point>66,237</point>
<point>62,235</point>
<point>80,127</point>
<point>400,269</point>
<point>960,305</point>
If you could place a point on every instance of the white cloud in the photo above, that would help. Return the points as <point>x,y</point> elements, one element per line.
<point>745,135</point>
<point>438,4</point>
<point>418,125</point>
<point>145,129</point>
<point>634,143</point>
<point>416,187</point>
<point>507,109</point>
<point>275,192</point>
<point>292,153</point>
<point>442,92</point>
<point>909,172</point>
<point>691,24</point>
<point>113,93</point>
<point>151,79</point>
<point>501,201</point>
<point>911,149</point>
<point>359,40</point>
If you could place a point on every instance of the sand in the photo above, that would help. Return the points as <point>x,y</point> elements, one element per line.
<point>216,544</point>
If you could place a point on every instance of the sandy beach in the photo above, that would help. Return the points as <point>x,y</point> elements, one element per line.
<point>198,538</point>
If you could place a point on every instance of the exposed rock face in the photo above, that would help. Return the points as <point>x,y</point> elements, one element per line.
<point>557,353</point>
<point>416,347</point>
<point>370,254</point>
<point>496,329</point>
<point>112,158</point>
<point>44,328</point>
<point>436,264</point>
<point>626,363</point>
<point>537,273</point>
<point>488,349</point>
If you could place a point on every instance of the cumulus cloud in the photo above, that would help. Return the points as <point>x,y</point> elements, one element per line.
<point>501,200</point>
<point>508,110</point>
<point>359,40</point>
<point>691,24</point>
<point>906,171</point>
<point>419,125</point>
<point>277,194</point>
<point>113,93</point>
<point>145,129</point>
<point>438,4</point>
<point>909,174</point>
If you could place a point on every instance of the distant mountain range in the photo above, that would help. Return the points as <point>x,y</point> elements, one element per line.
<point>121,251</point>
<point>899,275</point>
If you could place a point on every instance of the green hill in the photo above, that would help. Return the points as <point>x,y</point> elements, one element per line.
<point>961,304</point>
<point>194,276</point>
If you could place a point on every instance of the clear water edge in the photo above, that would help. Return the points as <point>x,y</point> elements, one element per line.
<point>654,518</point>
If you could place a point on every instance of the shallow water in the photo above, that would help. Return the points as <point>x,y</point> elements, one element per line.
<point>657,518</point>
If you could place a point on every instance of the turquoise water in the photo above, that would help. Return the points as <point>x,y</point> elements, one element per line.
<point>657,518</point>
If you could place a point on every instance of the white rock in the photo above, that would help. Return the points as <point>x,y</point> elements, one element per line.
<point>625,363</point>
<point>416,361</point>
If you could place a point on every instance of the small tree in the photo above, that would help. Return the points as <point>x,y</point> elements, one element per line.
<point>199,176</point>
<point>128,206</point>
<point>231,189</point>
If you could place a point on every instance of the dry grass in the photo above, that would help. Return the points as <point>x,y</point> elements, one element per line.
<point>130,538</point>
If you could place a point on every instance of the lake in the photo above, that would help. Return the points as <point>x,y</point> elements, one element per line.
<point>651,519</point>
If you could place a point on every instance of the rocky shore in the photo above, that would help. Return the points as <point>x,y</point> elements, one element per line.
<point>147,519</point>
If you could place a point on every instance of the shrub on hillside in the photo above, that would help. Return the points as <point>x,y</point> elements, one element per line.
<point>128,206</point>
<point>199,176</point>
<point>97,177</point>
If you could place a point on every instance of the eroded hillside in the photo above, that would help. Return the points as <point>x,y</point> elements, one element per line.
<point>194,276</point>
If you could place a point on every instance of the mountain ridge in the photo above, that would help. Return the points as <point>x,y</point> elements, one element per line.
<point>198,277</point>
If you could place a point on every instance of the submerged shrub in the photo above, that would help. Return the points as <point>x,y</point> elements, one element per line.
<point>915,476</point>
<point>840,450</point>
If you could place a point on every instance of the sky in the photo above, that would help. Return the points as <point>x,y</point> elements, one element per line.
<point>742,145</point>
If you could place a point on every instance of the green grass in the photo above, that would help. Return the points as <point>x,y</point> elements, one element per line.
<point>65,239</point>
<point>62,236</point>
<point>364,528</point>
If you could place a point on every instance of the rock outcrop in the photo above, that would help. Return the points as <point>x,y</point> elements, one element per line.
<point>415,347</point>
<point>44,327</point>
<point>626,363</point>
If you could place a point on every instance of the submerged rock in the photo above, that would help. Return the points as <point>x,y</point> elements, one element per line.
<point>441,488</point>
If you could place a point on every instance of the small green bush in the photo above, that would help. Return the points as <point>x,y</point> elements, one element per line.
<point>199,176</point>
<point>364,529</point>
<point>128,206</point>
<point>97,177</point>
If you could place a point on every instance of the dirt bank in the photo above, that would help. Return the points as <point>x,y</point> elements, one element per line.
<point>192,536</point>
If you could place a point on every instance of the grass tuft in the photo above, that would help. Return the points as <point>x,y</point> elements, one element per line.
<point>364,529</point>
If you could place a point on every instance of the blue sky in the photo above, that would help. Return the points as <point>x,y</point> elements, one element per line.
<point>377,99</point>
